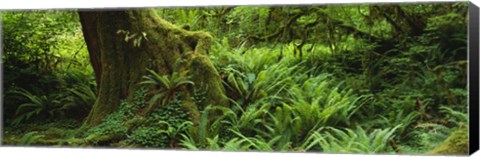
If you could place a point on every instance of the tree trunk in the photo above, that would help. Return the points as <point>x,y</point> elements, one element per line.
<point>123,44</point>
<point>88,21</point>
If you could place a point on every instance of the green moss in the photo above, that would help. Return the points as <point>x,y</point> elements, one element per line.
<point>192,110</point>
<point>97,139</point>
<point>135,121</point>
<point>123,63</point>
<point>206,78</point>
<point>456,143</point>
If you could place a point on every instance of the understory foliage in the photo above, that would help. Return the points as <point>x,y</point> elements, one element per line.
<point>159,129</point>
<point>335,78</point>
<point>46,68</point>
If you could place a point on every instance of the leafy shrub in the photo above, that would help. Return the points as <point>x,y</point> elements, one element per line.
<point>35,55</point>
<point>163,127</point>
<point>149,137</point>
<point>115,123</point>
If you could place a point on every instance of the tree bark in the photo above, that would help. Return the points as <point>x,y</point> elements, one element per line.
<point>123,44</point>
<point>88,22</point>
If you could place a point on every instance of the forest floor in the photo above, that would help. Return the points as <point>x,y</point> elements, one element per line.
<point>47,133</point>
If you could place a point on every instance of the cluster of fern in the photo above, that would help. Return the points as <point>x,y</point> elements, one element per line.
<point>339,79</point>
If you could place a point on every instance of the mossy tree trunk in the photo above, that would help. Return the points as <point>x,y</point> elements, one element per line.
<point>123,44</point>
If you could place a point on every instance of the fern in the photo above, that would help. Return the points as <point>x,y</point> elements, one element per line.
<point>29,138</point>
<point>166,86</point>
<point>35,107</point>
<point>455,116</point>
<point>350,141</point>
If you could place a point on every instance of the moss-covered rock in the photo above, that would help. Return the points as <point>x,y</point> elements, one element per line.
<point>456,143</point>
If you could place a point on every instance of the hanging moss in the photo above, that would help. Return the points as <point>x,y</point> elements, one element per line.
<point>456,143</point>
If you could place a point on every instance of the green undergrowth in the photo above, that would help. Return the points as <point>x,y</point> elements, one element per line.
<point>44,134</point>
<point>128,128</point>
<point>287,105</point>
<point>389,79</point>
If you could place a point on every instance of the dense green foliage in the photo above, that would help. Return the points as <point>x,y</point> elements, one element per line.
<point>333,78</point>
<point>46,67</point>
